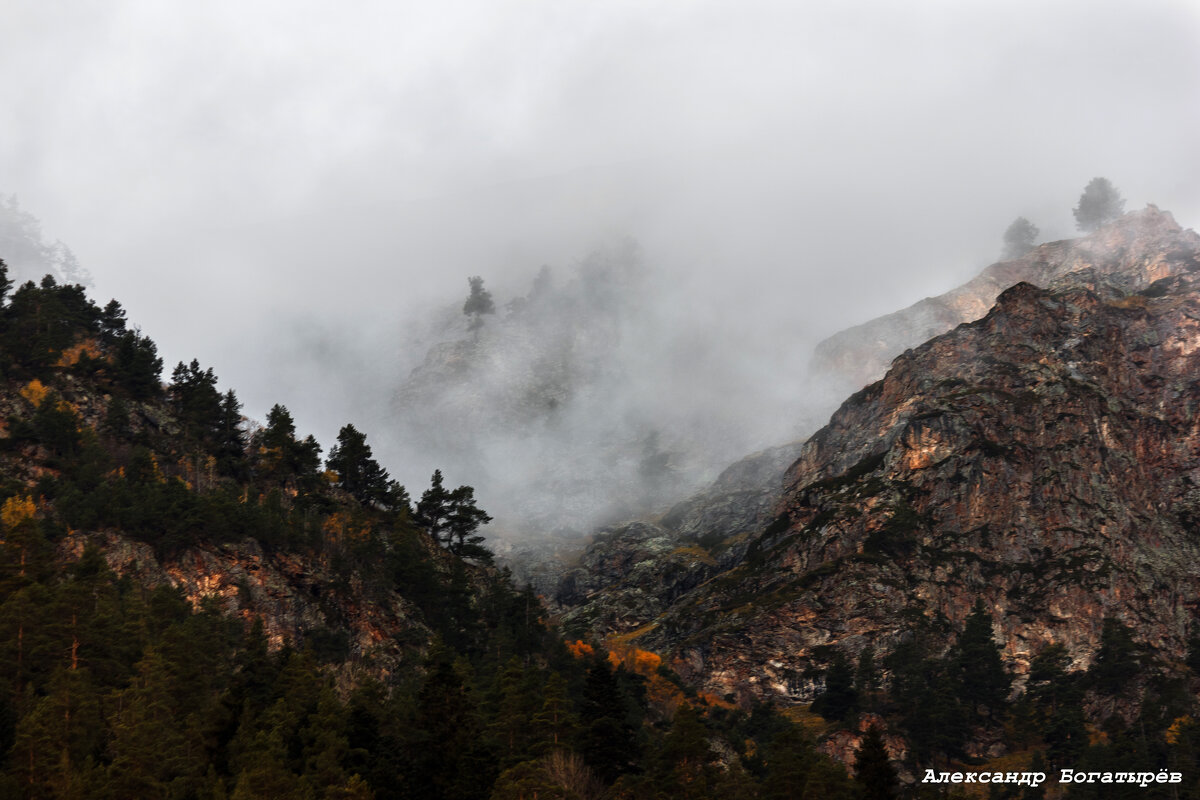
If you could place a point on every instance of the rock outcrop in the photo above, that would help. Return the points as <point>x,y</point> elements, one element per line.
<point>1132,252</point>
<point>1045,458</point>
<point>297,599</point>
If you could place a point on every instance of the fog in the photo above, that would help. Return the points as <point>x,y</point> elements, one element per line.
<point>296,197</point>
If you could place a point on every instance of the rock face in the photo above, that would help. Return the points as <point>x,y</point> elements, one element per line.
<point>1045,458</point>
<point>294,598</point>
<point>632,572</point>
<point>1132,252</point>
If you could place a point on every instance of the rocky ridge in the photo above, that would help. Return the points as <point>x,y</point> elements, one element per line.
<point>1044,458</point>
<point>861,354</point>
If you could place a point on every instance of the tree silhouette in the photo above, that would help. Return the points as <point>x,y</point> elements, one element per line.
<point>479,302</point>
<point>1020,238</point>
<point>873,769</point>
<point>360,474</point>
<point>452,519</point>
<point>839,697</point>
<point>1099,203</point>
<point>976,665</point>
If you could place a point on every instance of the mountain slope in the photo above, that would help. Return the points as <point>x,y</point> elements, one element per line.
<point>1132,252</point>
<point>1044,458</point>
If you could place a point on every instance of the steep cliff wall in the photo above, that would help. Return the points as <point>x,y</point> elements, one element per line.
<point>1045,458</point>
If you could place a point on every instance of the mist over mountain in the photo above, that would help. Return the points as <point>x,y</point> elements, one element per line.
<point>665,291</point>
<point>28,255</point>
<point>587,399</point>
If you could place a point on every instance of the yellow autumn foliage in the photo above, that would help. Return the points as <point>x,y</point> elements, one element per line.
<point>1177,727</point>
<point>35,392</point>
<point>580,648</point>
<point>341,527</point>
<point>70,357</point>
<point>16,510</point>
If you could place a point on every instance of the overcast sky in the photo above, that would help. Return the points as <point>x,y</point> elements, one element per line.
<point>245,176</point>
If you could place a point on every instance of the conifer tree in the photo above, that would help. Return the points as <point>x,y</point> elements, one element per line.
<point>873,770</point>
<point>197,403</point>
<point>5,282</point>
<point>685,758</point>
<point>608,740</point>
<point>515,708</point>
<point>452,519</point>
<point>1019,238</point>
<point>1117,661</point>
<point>789,759</point>
<point>112,321</point>
<point>231,439</point>
<point>445,746</point>
<point>280,455</point>
<point>977,667</point>
<point>138,365</point>
<point>56,737</point>
<point>150,747</point>
<point>866,677</point>
<point>479,302</point>
<point>555,725</point>
<point>840,697</point>
<point>1099,203</point>
<point>360,474</point>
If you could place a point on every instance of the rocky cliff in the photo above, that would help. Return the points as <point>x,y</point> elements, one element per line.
<point>1132,252</point>
<point>298,599</point>
<point>1044,458</point>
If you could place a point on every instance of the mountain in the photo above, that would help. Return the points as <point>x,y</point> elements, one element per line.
<point>1043,459</point>
<point>593,397</point>
<point>542,403</point>
<point>860,355</point>
<point>192,610</point>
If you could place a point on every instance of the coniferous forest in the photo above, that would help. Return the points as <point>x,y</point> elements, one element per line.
<point>115,688</point>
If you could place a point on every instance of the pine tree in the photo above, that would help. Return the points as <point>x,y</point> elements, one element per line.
<point>280,456</point>
<point>685,758</point>
<point>433,509</point>
<point>1099,203</point>
<point>840,697</point>
<point>445,743</point>
<point>789,759</point>
<point>873,769</point>
<point>230,447</point>
<point>515,708</point>
<point>196,401</point>
<point>138,366</point>
<point>1118,659</point>
<point>608,740</point>
<point>555,725</point>
<point>866,677</point>
<point>360,474</point>
<point>5,282</point>
<point>62,731</point>
<point>1020,238</point>
<point>112,321</point>
<point>150,746</point>
<point>452,519</point>
<point>479,302</point>
<point>977,667</point>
